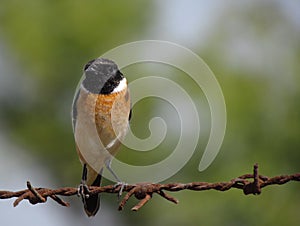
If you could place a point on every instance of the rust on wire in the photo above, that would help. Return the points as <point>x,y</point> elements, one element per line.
<point>249,183</point>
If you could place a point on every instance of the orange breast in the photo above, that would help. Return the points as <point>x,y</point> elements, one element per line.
<point>109,113</point>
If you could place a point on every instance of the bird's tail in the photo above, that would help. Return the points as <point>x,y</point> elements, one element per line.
<point>92,203</point>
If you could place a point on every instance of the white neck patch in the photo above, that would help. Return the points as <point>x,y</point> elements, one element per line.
<point>122,85</point>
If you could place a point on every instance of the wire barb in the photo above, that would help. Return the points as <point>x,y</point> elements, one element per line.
<point>249,183</point>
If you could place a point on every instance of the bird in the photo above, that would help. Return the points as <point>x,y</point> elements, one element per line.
<point>101,111</point>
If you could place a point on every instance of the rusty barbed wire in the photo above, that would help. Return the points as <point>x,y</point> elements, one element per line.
<point>249,183</point>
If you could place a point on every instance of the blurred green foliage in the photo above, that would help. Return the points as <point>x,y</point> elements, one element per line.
<point>51,40</point>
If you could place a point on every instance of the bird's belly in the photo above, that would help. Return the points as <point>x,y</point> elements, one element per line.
<point>100,128</point>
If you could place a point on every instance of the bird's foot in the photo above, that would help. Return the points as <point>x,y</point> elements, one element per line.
<point>121,185</point>
<point>83,191</point>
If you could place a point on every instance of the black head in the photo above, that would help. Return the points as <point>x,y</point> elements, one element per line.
<point>102,76</point>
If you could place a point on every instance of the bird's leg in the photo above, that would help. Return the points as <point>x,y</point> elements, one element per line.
<point>83,190</point>
<point>119,182</point>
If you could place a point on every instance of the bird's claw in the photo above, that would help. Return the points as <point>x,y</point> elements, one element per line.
<point>83,191</point>
<point>122,185</point>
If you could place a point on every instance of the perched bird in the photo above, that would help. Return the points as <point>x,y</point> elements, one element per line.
<point>100,115</point>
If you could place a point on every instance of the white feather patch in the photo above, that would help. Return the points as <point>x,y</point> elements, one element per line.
<point>122,85</point>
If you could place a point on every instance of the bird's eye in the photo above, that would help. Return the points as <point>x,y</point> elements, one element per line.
<point>88,64</point>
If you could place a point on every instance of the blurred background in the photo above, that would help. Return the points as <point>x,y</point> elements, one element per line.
<point>252,47</point>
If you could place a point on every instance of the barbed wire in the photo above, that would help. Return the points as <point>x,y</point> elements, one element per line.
<point>249,183</point>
